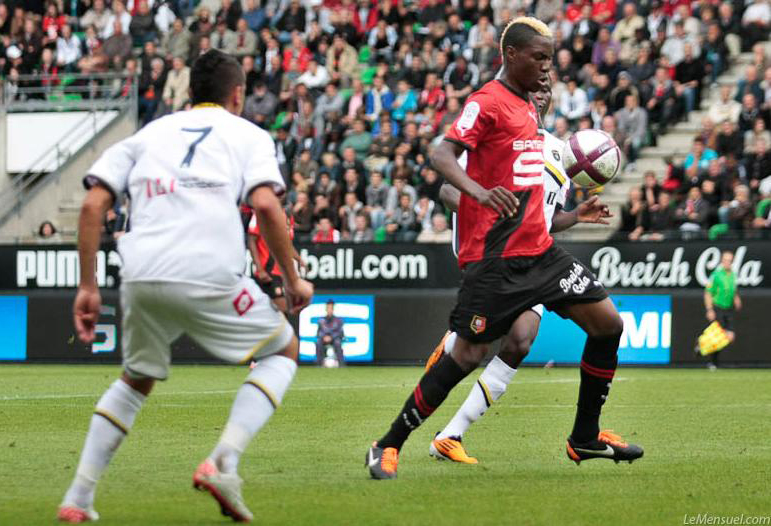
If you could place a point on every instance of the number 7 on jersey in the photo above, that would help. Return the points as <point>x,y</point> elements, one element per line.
<point>191,151</point>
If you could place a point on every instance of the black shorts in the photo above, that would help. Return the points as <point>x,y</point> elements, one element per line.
<point>725,317</point>
<point>494,292</point>
<point>274,288</point>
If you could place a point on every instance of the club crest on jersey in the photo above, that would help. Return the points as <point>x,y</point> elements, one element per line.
<point>556,154</point>
<point>468,118</point>
<point>478,324</point>
<point>243,302</point>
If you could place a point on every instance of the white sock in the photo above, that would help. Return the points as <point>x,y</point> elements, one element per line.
<point>255,402</point>
<point>113,418</point>
<point>449,343</point>
<point>490,387</point>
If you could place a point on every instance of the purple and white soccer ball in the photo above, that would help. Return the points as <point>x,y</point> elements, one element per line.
<point>591,158</point>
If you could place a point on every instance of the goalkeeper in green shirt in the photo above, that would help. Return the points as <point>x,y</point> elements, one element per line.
<point>721,299</point>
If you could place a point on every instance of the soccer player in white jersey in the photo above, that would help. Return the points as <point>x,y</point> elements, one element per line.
<point>500,371</point>
<point>183,264</point>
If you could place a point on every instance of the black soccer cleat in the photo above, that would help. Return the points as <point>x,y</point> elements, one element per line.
<point>382,462</point>
<point>607,445</point>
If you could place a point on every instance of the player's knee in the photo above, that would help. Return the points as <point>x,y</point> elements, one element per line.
<point>292,350</point>
<point>469,357</point>
<point>610,326</point>
<point>516,348</point>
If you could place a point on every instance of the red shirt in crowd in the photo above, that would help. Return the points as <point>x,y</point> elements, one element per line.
<point>500,131</point>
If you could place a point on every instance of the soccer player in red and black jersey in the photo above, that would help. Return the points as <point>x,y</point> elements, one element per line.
<point>508,258</point>
<point>266,272</point>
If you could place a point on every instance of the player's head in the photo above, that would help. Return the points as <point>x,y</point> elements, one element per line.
<point>527,48</point>
<point>217,78</point>
<point>543,97</point>
<point>330,307</point>
<point>727,259</point>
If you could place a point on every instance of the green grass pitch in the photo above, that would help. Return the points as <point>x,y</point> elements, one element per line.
<point>706,439</point>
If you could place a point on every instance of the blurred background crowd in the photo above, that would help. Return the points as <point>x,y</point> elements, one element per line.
<point>357,92</point>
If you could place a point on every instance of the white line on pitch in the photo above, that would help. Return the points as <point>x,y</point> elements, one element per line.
<point>299,388</point>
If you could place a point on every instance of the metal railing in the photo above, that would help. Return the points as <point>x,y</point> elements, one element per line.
<point>92,93</point>
<point>69,91</point>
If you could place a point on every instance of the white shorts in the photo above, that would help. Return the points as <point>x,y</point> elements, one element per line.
<point>235,325</point>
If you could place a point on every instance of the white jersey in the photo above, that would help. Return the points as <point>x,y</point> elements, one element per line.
<point>556,183</point>
<point>185,175</point>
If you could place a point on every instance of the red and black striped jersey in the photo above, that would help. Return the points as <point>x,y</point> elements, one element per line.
<point>500,131</point>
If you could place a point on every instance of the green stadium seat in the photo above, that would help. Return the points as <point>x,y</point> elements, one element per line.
<point>346,94</point>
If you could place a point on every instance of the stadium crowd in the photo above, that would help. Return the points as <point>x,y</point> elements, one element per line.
<point>356,92</point>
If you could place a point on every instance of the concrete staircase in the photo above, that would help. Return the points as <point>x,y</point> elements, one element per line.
<point>58,196</point>
<point>676,143</point>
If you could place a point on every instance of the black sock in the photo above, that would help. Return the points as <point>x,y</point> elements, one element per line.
<point>431,391</point>
<point>598,365</point>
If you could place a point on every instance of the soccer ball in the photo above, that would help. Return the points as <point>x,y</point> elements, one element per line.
<point>591,158</point>
<point>330,360</point>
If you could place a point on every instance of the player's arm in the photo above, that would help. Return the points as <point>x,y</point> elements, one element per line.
<point>259,271</point>
<point>450,196</point>
<point>272,222</point>
<point>737,301</point>
<point>590,211</point>
<point>445,160</point>
<point>88,301</point>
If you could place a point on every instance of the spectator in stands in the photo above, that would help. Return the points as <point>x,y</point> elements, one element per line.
<point>749,113</point>
<point>402,226</point>
<point>439,231</point>
<point>729,139</point>
<point>758,163</point>
<point>118,13</point>
<point>325,231</point>
<point>246,40</point>
<point>715,52</point>
<point>700,156</point>
<point>68,49</point>
<point>151,91</point>
<point>750,83</point>
<point>574,103</point>
<point>758,131</point>
<point>693,212</point>
<point>47,233</point>
<point>117,48</point>
<point>176,43</point>
<point>689,73</point>
<point>662,104</point>
<point>142,25</point>
<point>175,91</point>
<point>260,106</point>
<point>98,16</point>
<point>362,232</point>
<point>634,216</point>
<point>661,218</point>
<point>726,108</point>
<point>738,214</point>
<point>756,22</point>
<point>633,121</point>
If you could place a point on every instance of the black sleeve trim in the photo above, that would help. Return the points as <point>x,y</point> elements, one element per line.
<point>460,143</point>
<point>91,181</point>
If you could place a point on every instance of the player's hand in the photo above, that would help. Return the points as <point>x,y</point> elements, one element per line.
<point>499,199</point>
<point>593,211</point>
<point>738,303</point>
<point>710,314</point>
<point>298,295</point>
<point>262,276</point>
<point>86,313</point>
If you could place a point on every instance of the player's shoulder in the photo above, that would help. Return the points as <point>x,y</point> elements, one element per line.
<point>488,94</point>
